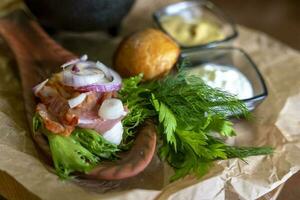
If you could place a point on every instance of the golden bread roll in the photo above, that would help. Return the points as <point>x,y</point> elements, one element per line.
<point>150,52</point>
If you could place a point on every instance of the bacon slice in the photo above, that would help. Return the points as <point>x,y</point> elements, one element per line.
<point>59,118</point>
<point>51,123</point>
<point>98,124</point>
<point>57,105</point>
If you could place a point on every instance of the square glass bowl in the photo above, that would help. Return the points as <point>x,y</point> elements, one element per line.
<point>198,10</point>
<point>233,57</point>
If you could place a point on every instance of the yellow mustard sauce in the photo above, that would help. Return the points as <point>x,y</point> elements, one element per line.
<point>192,32</point>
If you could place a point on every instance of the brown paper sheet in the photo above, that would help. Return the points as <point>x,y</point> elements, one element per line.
<point>276,124</point>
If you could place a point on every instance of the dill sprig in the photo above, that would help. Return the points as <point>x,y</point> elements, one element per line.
<point>183,90</point>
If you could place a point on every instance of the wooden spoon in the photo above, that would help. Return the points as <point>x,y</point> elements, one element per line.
<point>38,56</point>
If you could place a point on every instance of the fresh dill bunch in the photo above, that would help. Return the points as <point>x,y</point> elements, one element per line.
<point>196,105</point>
<point>190,93</point>
<point>187,111</point>
<point>182,64</point>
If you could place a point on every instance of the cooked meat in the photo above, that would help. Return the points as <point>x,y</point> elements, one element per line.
<point>51,123</point>
<point>59,118</point>
<point>98,124</point>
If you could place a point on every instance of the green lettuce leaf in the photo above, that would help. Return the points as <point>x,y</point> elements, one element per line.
<point>95,143</point>
<point>79,152</point>
<point>69,156</point>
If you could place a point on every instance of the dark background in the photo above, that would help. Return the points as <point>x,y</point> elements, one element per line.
<point>278,18</point>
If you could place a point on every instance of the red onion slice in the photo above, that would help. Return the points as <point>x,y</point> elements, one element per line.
<point>105,70</point>
<point>85,74</point>
<point>74,80</point>
<point>111,109</point>
<point>39,86</point>
<point>114,135</point>
<point>77,100</point>
<point>75,69</point>
<point>74,61</point>
<point>84,121</point>
<point>114,85</point>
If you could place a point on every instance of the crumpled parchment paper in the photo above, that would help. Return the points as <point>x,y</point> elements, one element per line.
<point>276,123</point>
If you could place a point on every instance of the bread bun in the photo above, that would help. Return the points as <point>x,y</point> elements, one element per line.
<point>150,52</point>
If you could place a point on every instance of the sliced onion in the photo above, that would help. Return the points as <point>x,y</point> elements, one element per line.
<point>71,62</point>
<point>75,69</point>
<point>77,100</point>
<point>86,121</point>
<point>105,70</point>
<point>115,134</point>
<point>85,74</point>
<point>84,57</point>
<point>114,85</point>
<point>39,86</point>
<point>111,109</point>
<point>47,92</point>
<point>71,79</point>
<point>74,61</point>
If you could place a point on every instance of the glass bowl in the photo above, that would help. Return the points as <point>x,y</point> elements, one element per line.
<point>202,10</point>
<point>236,58</point>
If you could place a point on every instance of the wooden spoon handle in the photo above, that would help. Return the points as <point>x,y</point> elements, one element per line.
<point>37,55</point>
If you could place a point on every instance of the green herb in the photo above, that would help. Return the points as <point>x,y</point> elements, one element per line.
<point>69,156</point>
<point>79,152</point>
<point>167,119</point>
<point>139,106</point>
<point>36,123</point>
<point>243,152</point>
<point>189,94</point>
<point>188,111</point>
<point>95,143</point>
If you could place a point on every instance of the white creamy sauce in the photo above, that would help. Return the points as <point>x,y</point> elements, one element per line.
<point>226,78</point>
